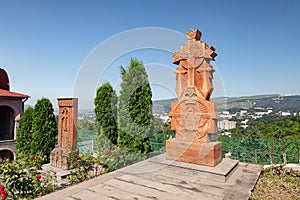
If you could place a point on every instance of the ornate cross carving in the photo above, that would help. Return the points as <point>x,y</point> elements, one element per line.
<point>193,116</point>
<point>193,113</point>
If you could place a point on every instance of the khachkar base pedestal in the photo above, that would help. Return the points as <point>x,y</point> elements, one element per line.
<point>208,154</point>
<point>60,157</point>
<point>67,133</point>
<point>194,116</point>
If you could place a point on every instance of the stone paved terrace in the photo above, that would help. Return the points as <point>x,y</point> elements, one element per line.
<point>158,178</point>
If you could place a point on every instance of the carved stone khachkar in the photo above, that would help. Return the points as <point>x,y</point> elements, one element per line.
<point>193,116</point>
<point>67,122</point>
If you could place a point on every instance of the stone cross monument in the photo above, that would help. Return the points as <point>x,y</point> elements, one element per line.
<point>193,116</point>
<point>67,133</point>
<point>67,122</point>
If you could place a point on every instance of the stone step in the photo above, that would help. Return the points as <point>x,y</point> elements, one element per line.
<point>219,173</point>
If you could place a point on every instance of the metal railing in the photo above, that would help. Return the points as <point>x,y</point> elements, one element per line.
<point>85,146</point>
<point>251,150</point>
<point>256,150</point>
<point>262,151</point>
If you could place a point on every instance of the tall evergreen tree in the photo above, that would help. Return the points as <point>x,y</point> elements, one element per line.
<point>44,128</point>
<point>106,111</point>
<point>135,109</point>
<point>24,134</point>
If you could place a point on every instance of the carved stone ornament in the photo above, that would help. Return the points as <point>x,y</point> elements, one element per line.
<point>67,133</point>
<point>193,116</point>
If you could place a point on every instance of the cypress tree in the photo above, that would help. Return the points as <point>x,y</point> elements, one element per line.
<point>135,109</point>
<point>106,111</point>
<point>44,128</point>
<point>24,134</point>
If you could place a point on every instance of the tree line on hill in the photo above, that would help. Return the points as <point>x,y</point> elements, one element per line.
<point>275,102</point>
<point>279,128</point>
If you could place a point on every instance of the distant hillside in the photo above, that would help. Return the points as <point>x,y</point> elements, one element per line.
<point>263,102</point>
<point>162,106</point>
<point>275,102</point>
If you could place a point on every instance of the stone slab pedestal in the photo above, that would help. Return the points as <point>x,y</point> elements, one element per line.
<point>61,174</point>
<point>220,173</point>
<point>59,157</point>
<point>207,154</point>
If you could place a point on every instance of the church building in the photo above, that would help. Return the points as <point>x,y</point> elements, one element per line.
<point>11,108</point>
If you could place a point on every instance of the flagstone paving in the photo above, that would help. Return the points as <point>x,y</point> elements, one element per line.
<point>158,178</point>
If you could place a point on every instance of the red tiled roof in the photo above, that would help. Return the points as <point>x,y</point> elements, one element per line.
<point>5,93</point>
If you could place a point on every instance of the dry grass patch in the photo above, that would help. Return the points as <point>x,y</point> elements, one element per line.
<point>277,183</point>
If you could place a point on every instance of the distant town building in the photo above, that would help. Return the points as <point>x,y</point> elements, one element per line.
<point>11,108</point>
<point>285,113</point>
<point>226,124</point>
<point>244,126</point>
<point>225,116</point>
<point>227,133</point>
<point>244,123</point>
<point>242,112</point>
<point>226,112</point>
<point>261,114</point>
<point>164,118</point>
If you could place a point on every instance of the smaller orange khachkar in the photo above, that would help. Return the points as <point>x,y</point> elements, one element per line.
<point>67,133</point>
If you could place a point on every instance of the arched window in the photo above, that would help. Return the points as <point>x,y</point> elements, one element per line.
<point>6,123</point>
<point>6,154</point>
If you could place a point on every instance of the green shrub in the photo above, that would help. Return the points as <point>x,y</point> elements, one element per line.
<point>23,179</point>
<point>24,134</point>
<point>44,128</point>
<point>135,120</point>
<point>106,111</point>
<point>82,167</point>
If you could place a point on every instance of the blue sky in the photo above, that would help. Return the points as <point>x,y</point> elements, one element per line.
<point>44,44</point>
